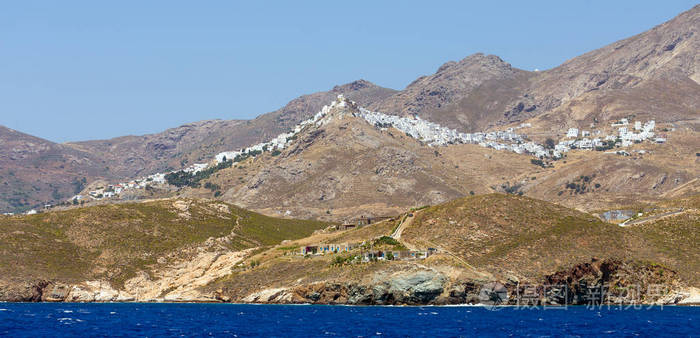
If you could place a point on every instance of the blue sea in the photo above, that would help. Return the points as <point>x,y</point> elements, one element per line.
<point>164,320</point>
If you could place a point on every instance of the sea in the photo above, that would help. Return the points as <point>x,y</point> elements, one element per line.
<point>170,320</point>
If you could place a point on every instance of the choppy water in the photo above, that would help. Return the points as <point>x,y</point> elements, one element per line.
<point>154,320</point>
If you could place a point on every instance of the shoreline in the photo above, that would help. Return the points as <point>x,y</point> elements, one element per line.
<point>486,306</point>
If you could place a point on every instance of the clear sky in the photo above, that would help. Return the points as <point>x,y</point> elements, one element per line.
<point>78,70</point>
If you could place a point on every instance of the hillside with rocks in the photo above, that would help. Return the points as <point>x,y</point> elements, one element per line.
<point>132,251</point>
<point>469,95</point>
<point>344,166</point>
<point>197,250</point>
<point>348,162</point>
<point>479,241</point>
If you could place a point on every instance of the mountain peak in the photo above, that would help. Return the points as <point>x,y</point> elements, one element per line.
<point>476,59</point>
<point>353,86</point>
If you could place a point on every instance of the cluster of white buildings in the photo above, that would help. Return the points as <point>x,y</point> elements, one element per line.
<point>282,140</point>
<point>624,138</point>
<point>113,190</point>
<point>431,133</point>
<point>435,135</point>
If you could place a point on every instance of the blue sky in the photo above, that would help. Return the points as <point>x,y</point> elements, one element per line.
<point>79,70</point>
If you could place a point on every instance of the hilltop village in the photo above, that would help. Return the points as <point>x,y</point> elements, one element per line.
<point>435,135</point>
<point>432,134</point>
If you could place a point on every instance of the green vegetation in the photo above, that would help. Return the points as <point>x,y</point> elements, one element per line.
<point>386,241</point>
<point>212,186</point>
<point>340,260</point>
<point>549,143</point>
<point>182,178</point>
<point>540,163</point>
<point>512,189</point>
<point>607,145</point>
<point>79,185</point>
<point>581,185</point>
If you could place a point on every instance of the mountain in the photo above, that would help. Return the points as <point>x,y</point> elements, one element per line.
<point>200,141</point>
<point>343,167</point>
<point>463,95</point>
<point>665,51</point>
<point>650,76</point>
<point>42,167</point>
<point>653,75</point>
<point>35,171</point>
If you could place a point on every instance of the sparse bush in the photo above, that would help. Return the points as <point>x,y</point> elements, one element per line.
<point>182,178</point>
<point>342,260</point>
<point>549,143</point>
<point>211,186</point>
<point>538,162</point>
<point>511,189</point>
